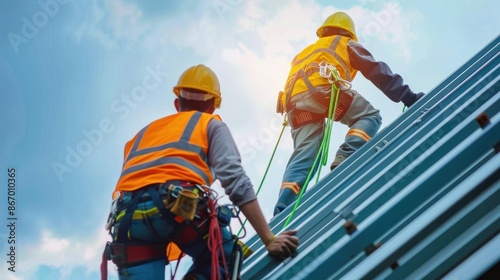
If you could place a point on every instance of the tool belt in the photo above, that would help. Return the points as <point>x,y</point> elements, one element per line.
<point>181,198</point>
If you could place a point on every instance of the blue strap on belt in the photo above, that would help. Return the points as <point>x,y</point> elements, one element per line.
<point>127,218</point>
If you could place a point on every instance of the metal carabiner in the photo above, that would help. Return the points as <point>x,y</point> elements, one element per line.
<point>113,212</point>
<point>323,70</point>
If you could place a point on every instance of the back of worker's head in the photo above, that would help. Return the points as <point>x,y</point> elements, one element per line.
<point>198,89</point>
<point>338,23</point>
<point>193,99</point>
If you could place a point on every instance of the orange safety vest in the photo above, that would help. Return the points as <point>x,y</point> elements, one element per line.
<point>304,75</point>
<point>171,148</point>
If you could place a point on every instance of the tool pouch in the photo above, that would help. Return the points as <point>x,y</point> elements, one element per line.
<point>117,253</point>
<point>171,197</point>
<point>224,215</point>
<point>185,204</point>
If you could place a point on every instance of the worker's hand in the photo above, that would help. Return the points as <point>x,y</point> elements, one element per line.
<point>412,99</point>
<point>284,244</point>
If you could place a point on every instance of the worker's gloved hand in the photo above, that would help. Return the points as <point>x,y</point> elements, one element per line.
<point>283,244</point>
<point>409,99</point>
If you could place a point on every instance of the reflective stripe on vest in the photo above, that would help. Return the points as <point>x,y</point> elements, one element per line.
<point>175,148</point>
<point>304,75</point>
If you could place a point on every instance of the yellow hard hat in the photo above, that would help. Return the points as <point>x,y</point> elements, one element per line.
<point>202,78</point>
<point>339,20</point>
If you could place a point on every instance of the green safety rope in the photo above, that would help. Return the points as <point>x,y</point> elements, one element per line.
<point>285,123</point>
<point>329,122</point>
<point>323,150</point>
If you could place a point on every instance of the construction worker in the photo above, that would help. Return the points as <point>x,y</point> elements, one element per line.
<point>163,194</point>
<point>307,93</point>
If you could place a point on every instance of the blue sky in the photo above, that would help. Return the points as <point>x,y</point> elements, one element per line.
<point>80,78</point>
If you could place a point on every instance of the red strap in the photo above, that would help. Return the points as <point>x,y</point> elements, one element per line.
<point>215,241</point>
<point>140,253</point>
<point>104,266</point>
<point>134,254</point>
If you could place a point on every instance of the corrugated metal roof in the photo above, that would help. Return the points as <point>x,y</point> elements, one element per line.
<point>423,194</point>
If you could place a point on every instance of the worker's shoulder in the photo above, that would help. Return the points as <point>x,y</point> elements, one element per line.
<point>216,123</point>
<point>216,117</point>
<point>354,44</point>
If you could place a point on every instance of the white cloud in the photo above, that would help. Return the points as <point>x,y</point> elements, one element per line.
<point>390,24</point>
<point>52,245</point>
<point>266,61</point>
<point>124,19</point>
<point>14,277</point>
<point>113,25</point>
<point>63,253</point>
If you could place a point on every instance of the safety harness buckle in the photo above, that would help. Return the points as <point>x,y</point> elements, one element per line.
<point>323,70</point>
<point>113,211</point>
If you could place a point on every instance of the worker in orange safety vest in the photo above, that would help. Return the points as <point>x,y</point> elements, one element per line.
<point>163,196</point>
<point>307,94</point>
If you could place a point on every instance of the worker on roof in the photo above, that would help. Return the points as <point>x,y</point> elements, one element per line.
<point>163,196</point>
<point>306,99</point>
